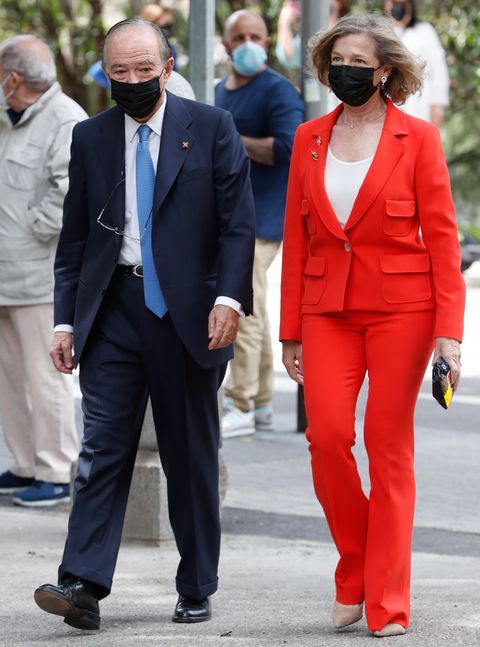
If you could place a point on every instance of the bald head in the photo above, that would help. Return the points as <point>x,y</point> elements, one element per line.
<point>253,20</point>
<point>30,58</point>
<point>243,26</point>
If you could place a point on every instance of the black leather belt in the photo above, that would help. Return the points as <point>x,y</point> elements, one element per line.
<point>130,270</point>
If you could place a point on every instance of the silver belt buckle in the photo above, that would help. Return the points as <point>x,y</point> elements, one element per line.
<point>135,271</point>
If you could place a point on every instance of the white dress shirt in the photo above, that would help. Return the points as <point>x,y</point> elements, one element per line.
<point>130,252</point>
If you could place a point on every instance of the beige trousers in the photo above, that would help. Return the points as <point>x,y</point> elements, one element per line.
<point>36,402</point>
<point>251,371</point>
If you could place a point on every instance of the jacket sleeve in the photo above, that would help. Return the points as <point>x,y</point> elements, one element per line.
<point>285,112</point>
<point>294,252</point>
<point>73,236</point>
<point>440,234</point>
<point>236,211</point>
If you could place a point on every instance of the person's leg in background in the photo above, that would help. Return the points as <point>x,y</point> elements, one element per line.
<point>15,411</point>
<point>250,384</point>
<point>398,347</point>
<point>49,396</point>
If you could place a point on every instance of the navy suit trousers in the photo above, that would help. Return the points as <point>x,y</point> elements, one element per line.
<point>132,354</point>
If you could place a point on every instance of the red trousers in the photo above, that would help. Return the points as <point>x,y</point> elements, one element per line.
<point>373,534</point>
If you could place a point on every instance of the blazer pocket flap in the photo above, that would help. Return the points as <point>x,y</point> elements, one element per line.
<point>400,208</point>
<point>315,265</point>
<point>405,263</point>
<point>304,208</point>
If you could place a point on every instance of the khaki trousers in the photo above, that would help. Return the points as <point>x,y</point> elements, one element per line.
<point>251,371</point>
<point>36,402</point>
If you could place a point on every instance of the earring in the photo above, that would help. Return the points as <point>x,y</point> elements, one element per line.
<point>383,80</point>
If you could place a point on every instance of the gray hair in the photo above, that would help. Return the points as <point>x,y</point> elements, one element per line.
<point>31,58</point>
<point>163,44</point>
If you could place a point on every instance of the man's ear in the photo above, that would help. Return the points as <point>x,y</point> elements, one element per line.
<point>268,42</point>
<point>169,67</point>
<point>15,79</point>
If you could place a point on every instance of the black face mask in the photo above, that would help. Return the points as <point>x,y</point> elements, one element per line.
<point>136,99</point>
<point>398,11</point>
<point>351,84</point>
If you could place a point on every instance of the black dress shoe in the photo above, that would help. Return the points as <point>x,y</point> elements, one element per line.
<point>70,600</point>
<point>189,610</point>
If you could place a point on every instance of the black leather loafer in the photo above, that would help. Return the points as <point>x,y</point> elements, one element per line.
<point>188,610</point>
<point>79,608</point>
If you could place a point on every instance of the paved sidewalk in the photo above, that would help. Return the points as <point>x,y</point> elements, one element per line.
<point>277,563</point>
<point>273,591</point>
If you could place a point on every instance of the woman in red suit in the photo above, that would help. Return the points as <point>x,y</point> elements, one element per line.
<point>370,283</point>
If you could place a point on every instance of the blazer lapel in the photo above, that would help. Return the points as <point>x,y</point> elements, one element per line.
<point>390,150</point>
<point>111,151</point>
<point>175,145</point>
<point>317,155</point>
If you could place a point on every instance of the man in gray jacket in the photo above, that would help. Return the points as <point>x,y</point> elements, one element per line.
<point>36,402</point>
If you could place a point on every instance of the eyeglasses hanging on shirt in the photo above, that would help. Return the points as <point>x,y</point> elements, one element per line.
<point>117,230</point>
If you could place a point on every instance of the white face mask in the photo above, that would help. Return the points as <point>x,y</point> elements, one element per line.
<point>3,97</point>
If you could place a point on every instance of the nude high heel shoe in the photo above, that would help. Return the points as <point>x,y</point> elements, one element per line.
<point>346,614</point>
<point>390,629</point>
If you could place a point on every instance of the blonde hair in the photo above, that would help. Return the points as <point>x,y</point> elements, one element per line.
<point>407,73</point>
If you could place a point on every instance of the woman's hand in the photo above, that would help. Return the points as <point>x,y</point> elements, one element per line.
<point>449,349</point>
<point>292,360</point>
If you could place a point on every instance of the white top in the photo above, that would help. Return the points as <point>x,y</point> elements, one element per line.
<point>422,41</point>
<point>342,183</point>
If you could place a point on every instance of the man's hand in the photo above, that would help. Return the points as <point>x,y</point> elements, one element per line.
<point>61,352</point>
<point>222,326</point>
<point>292,359</point>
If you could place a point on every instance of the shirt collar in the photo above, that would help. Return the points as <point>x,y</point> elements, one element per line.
<point>155,122</point>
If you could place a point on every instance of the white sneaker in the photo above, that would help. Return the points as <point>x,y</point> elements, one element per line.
<point>263,418</point>
<point>237,423</point>
<point>227,405</point>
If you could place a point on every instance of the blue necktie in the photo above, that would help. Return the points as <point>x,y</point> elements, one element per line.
<point>154,299</point>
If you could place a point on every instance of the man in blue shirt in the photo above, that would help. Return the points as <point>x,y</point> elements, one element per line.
<point>266,110</point>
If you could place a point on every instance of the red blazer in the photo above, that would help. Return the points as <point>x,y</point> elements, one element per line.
<point>399,250</point>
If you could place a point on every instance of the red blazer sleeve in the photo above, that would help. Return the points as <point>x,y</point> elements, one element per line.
<point>440,234</point>
<point>294,251</point>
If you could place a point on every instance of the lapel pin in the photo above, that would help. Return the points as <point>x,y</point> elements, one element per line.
<point>185,145</point>
<point>314,155</point>
<point>319,141</point>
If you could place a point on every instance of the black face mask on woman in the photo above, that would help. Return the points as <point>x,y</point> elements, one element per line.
<point>136,99</point>
<point>352,84</point>
<point>398,11</point>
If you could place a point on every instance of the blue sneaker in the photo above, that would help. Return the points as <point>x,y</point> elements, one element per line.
<point>9,483</point>
<point>42,494</point>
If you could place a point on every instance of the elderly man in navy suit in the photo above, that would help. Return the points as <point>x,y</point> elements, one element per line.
<point>153,269</point>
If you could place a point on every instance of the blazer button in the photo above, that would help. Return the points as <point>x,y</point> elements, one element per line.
<point>347,247</point>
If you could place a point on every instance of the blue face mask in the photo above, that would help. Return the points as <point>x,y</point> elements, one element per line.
<point>248,58</point>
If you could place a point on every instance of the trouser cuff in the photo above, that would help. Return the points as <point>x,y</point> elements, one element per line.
<point>196,592</point>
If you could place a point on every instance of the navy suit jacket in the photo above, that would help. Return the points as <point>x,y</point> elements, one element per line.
<point>203,221</point>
